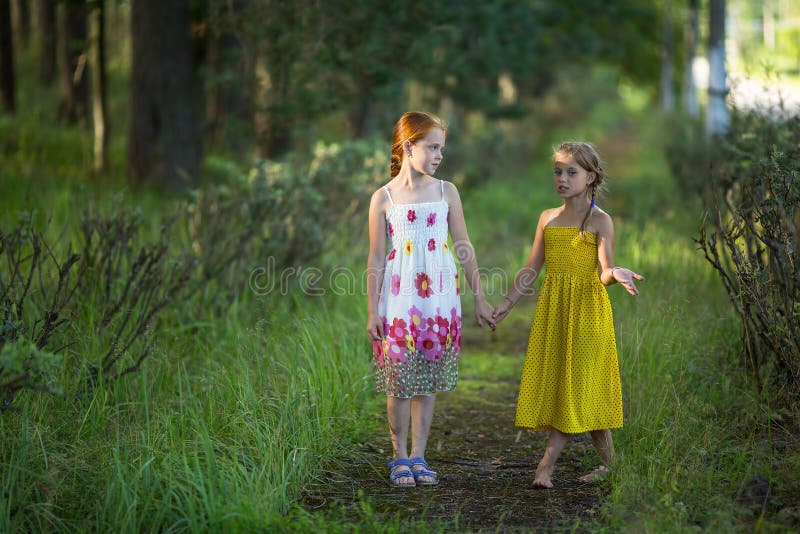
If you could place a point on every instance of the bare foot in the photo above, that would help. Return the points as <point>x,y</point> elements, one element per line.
<point>598,473</point>
<point>542,479</point>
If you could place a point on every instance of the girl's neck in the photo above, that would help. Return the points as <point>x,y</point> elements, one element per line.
<point>576,205</point>
<point>409,178</point>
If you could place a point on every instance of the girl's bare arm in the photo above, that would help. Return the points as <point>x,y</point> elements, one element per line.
<point>376,262</point>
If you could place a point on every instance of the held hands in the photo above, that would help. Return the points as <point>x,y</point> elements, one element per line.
<point>502,310</point>
<point>625,278</point>
<point>484,312</point>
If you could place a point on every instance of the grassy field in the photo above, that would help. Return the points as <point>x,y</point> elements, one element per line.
<point>234,415</point>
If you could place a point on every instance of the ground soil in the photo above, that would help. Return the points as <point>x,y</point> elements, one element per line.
<point>485,464</point>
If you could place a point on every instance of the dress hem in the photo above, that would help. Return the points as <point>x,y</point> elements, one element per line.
<point>551,427</point>
<point>427,393</point>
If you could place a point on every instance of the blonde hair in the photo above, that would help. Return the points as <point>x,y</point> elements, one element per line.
<point>412,126</point>
<point>586,156</point>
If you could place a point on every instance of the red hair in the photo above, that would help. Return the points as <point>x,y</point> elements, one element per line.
<point>411,127</point>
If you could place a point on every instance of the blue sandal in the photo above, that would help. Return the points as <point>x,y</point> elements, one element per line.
<point>400,469</point>
<point>425,472</point>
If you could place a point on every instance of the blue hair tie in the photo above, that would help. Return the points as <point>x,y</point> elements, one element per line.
<point>592,204</point>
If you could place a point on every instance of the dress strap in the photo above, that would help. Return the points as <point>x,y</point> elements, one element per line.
<point>388,194</point>
<point>442,183</point>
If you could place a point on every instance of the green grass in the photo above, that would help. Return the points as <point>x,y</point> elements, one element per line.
<point>221,431</point>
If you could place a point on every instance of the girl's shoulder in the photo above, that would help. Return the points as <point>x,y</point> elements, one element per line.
<point>549,214</point>
<point>600,217</point>
<point>600,222</point>
<point>380,196</point>
<point>449,188</point>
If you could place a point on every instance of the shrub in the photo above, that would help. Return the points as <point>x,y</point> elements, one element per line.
<point>125,283</point>
<point>751,239</point>
<point>37,286</point>
<point>279,212</point>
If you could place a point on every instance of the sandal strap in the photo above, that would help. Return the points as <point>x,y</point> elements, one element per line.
<point>400,473</point>
<point>400,461</point>
<point>426,472</point>
<point>419,460</point>
<point>400,468</point>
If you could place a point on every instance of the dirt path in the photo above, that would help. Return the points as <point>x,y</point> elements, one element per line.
<point>485,464</point>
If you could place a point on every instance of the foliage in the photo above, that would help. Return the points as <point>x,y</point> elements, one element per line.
<point>126,283</point>
<point>751,238</point>
<point>37,286</point>
<point>358,58</point>
<point>688,153</point>
<point>278,214</point>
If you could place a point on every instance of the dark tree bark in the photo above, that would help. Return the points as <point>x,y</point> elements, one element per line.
<point>73,90</point>
<point>7,82</point>
<point>21,22</point>
<point>46,17</point>
<point>228,104</point>
<point>357,116</point>
<point>97,67</point>
<point>164,141</point>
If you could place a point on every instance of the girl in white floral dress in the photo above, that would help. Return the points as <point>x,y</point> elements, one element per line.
<point>413,290</point>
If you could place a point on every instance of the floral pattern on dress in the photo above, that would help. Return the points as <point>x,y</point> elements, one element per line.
<point>423,285</point>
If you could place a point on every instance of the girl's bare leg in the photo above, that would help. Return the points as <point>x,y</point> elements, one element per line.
<point>605,447</point>
<point>421,418</point>
<point>399,411</point>
<point>544,472</point>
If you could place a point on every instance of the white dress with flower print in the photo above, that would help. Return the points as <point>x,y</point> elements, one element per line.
<point>419,303</point>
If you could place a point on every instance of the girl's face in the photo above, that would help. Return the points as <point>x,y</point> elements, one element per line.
<point>569,178</point>
<point>427,152</point>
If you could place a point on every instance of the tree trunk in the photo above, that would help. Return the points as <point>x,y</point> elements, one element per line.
<point>97,68</point>
<point>7,82</point>
<point>690,106</point>
<point>46,17</point>
<point>21,22</point>
<point>717,85</point>
<point>358,114</point>
<point>272,122</point>
<point>228,105</point>
<point>667,57</point>
<point>73,93</point>
<point>164,142</point>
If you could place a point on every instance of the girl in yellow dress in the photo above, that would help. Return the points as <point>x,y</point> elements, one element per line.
<point>570,381</point>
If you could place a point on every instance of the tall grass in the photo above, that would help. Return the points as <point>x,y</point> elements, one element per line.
<point>220,432</point>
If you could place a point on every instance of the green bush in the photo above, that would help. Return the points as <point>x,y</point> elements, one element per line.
<point>37,286</point>
<point>750,236</point>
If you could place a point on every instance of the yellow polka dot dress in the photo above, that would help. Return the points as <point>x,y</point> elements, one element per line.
<point>570,380</point>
